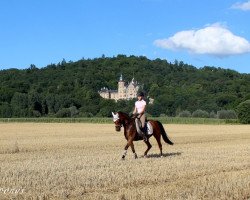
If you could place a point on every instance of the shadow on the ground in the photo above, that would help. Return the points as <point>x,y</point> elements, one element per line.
<point>164,155</point>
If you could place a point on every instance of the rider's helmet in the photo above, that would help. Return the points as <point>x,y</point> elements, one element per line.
<point>140,94</point>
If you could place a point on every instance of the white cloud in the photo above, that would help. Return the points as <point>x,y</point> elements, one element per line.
<point>213,40</point>
<point>242,6</point>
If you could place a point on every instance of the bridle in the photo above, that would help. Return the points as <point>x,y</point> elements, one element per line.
<point>118,124</point>
<point>117,121</point>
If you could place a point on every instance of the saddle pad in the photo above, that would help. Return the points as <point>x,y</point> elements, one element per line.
<point>149,128</point>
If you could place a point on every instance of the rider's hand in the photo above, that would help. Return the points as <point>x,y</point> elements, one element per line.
<point>135,115</point>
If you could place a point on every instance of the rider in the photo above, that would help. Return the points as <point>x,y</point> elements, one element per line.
<point>139,111</point>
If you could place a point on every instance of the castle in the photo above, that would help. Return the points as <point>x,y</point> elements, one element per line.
<point>124,91</point>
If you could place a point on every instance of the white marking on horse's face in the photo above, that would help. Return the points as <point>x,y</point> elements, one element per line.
<point>115,117</point>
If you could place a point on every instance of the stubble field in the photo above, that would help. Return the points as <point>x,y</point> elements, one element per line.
<point>83,161</point>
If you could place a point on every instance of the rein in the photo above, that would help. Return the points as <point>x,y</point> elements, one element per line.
<point>125,122</point>
<point>129,120</point>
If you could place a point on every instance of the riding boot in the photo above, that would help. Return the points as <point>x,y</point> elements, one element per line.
<point>140,130</point>
<point>143,130</point>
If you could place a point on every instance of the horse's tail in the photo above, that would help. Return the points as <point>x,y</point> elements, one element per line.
<point>164,134</point>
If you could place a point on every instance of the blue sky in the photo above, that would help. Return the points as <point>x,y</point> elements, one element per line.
<point>197,32</point>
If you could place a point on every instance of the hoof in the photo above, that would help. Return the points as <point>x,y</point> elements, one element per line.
<point>136,156</point>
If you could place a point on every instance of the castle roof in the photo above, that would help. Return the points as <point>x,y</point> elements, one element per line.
<point>121,79</point>
<point>113,91</point>
<point>104,89</point>
<point>133,83</point>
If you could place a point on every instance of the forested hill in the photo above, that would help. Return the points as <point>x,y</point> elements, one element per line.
<point>71,88</point>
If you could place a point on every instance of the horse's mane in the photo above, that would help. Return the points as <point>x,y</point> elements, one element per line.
<point>124,114</point>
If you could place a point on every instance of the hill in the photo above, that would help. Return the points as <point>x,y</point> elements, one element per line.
<point>70,89</point>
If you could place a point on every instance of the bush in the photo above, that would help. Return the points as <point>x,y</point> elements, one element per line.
<point>227,114</point>
<point>200,113</point>
<point>36,113</point>
<point>184,113</point>
<point>73,111</point>
<point>85,114</point>
<point>243,110</point>
<point>64,112</point>
<point>212,115</point>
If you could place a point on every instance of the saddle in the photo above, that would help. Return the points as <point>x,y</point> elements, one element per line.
<point>148,127</point>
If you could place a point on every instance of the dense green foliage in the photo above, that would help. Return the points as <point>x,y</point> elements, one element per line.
<point>70,89</point>
<point>244,112</point>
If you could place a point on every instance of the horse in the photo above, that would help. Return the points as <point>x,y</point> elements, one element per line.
<point>121,119</point>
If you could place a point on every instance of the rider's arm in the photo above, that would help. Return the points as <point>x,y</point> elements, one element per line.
<point>135,111</point>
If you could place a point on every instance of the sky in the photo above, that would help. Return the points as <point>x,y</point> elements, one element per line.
<point>197,32</point>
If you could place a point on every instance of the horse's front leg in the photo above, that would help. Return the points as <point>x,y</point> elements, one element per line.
<point>125,151</point>
<point>133,150</point>
<point>130,143</point>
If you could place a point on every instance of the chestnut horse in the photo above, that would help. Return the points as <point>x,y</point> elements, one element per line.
<point>122,119</point>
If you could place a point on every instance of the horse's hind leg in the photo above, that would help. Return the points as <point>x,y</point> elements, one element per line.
<point>149,147</point>
<point>158,139</point>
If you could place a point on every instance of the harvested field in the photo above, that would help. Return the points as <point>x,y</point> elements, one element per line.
<point>83,161</point>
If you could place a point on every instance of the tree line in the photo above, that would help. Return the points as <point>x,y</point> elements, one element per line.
<point>70,89</point>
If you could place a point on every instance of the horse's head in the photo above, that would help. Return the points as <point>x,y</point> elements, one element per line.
<point>117,121</point>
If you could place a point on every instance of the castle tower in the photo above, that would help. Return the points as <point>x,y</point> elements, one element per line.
<point>121,88</point>
<point>132,89</point>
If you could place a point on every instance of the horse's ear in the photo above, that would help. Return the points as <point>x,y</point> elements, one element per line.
<point>113,114</point>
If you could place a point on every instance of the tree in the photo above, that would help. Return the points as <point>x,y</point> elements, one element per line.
<point>225,100</point>
<point>5,110</point>
<point>33,67</point>
<point>106,107</point>
<point>154,90</point>
<point>243,110</point>
<point>155,110</point>
<point>6,94</point>
<point>19,105</point>
<point>174,87</point>
<point>35,104</point>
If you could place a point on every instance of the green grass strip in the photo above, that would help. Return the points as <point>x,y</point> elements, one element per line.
<point>164,120</point>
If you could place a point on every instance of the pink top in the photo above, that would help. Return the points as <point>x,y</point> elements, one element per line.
<point>140,105</point>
